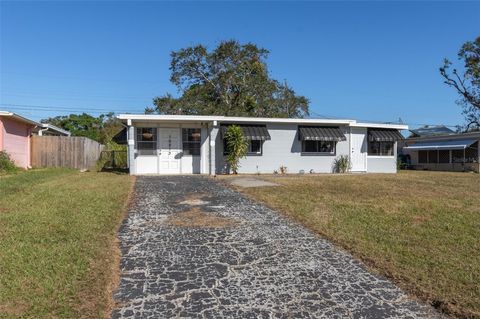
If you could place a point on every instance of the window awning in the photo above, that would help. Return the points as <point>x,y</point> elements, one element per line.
<point>251,132</point>
<point>384,135</point>
<point>440,145</point>
<point>320,133</point>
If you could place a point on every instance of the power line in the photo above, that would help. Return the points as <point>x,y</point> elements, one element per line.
<point>69,108</point>
<point>99,110</point>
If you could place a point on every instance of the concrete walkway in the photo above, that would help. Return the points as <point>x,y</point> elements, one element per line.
<point>193,248</point>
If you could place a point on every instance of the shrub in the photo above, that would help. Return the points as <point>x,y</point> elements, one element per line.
<point>341,164</point>
<point>6,163</point>
<point>237,146</point>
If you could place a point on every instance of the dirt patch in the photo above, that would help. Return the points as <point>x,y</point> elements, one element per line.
<point>247,182</point>
<point>196,218</point>
<point>3,210</point>
<point>418,220</point>
<point>194,199</point>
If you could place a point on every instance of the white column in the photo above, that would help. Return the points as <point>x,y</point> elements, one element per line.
<point>131,149</point>
<point>213,138</point>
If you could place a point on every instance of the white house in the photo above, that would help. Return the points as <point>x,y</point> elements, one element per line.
<point>189,144</point>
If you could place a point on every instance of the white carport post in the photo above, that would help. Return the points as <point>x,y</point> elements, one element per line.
<point>213,138</point>
<point>131,147</point>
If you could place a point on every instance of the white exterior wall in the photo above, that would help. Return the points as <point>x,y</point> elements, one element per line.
<point>149,164</point>
<point>284,148</point>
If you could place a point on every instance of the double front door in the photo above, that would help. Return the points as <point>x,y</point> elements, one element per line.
<point>165,155</point>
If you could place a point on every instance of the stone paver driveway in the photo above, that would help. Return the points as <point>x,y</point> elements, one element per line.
<point>191,247</point>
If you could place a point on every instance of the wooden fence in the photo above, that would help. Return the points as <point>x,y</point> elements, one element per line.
<point>65,151</point>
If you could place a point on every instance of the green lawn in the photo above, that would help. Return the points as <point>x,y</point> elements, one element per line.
<point>421,229</point>
<point>58,256</point>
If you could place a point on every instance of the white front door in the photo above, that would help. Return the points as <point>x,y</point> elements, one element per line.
<point>169,150</point>
<point>358,149</point>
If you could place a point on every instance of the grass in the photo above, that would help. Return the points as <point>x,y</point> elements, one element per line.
<point>421,229</point>
<point>58,255</point>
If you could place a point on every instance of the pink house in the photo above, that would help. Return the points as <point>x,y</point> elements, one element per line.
<point>15,135</point>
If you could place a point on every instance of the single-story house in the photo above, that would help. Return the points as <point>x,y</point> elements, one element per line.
<point>15,135</point>
<point>190,144</point>
<point>448,152</point>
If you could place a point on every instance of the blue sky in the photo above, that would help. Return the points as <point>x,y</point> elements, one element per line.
<point>374,61</point>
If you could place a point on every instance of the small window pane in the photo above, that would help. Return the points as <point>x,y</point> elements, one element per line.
<point>381,148</point>
<point>326,147</point>
<point>191,141</point>
<point>373,148</point>
<point>310,146</point>
<point>146,140</point>
<point>255,147</point>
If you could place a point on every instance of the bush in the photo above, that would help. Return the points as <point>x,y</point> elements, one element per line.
<point>237,146</point>
<point>6,163</point>
<point>341,164</point>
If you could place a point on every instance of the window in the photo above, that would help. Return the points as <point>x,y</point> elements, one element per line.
<point>147,140</point>
<point>319,147</point>
<point>255,147</point>
<point>191,138</point>
<point>422,157</point>
<point>381,148</point>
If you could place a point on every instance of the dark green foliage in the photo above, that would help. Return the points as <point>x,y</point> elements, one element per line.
<point>6,163</point>
<point>100,129</point>
<point>466,82</point>
<point>231,80</point>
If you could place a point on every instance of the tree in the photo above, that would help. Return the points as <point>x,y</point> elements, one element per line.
<point>101,128</point>
<point>231,80</point>
<point>237,146</point>
<point>466,82</point>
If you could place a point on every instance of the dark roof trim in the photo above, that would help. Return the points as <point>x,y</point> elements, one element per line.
<point>121,137</point>
<point>251,132</point>
<point>384,135</point>
<point>320,133</point>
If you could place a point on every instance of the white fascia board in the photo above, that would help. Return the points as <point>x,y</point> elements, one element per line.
<point>226,119</point>
<point>382,125</point>
<point>233,119</point>
<point>55,128</point>
<point>19,118</point>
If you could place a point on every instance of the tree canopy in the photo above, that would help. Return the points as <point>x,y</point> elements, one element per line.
<point>466,82</point>
<point>231,80</point>
<point>101,128</point>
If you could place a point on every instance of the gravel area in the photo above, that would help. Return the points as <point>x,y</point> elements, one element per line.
<point>193,248</point>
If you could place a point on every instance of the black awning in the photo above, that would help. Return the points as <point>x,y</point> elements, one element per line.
<point>384,135</point>
<point>121,137</point>
<point>251,132</point>
<point>320,133</point>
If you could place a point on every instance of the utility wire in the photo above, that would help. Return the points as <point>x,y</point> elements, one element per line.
<point>128,109</point>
